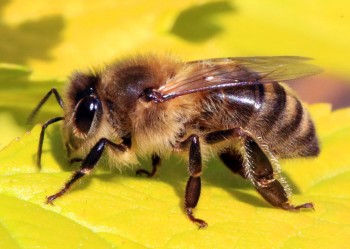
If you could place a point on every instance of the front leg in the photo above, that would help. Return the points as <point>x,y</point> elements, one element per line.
<point>41,139</point>
<point>87,165</point>
<point>193,187</point>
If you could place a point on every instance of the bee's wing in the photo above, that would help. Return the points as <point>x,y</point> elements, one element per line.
<point>203,75</point>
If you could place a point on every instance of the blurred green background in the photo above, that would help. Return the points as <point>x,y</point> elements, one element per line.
<point>55,37</point>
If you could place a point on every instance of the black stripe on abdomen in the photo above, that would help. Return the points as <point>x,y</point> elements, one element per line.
<point>307,143</point>
<point>275,109</point>
<point>291,122</point>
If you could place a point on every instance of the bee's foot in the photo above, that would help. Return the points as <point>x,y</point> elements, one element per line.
<point>308,205</point>
<point>201,223</point>
<point>141,172</point>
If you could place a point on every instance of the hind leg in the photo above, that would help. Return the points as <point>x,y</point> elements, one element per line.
<point>257,164</point>
<point>233,160</point>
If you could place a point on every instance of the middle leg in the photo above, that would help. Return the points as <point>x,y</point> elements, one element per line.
<point>193,186</point>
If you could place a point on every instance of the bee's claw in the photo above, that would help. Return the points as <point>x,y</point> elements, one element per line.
<point>50,199</point>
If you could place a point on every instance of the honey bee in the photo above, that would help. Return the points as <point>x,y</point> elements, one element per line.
<point>236,108</point>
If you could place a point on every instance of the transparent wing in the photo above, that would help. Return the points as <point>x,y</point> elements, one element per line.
<point>211,74</point>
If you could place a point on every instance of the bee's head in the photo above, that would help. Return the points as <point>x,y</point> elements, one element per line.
<point>84,107</point>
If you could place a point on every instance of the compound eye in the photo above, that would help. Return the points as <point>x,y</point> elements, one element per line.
<point>87,114</point>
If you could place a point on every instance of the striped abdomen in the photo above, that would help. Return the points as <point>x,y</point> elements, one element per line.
<point>270,111</point>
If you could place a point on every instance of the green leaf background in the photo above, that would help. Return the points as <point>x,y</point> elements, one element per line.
<point>110,209</point>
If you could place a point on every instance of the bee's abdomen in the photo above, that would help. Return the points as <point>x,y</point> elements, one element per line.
<point>284,124</point>
<point>268,111</point>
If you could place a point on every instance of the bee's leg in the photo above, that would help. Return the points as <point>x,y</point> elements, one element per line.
<point>260,172</point>
<point>46,97</point>
<point>193,187</point>
<point>87,165</point>
<point>258,168</point>
<point>233,160</point>
<point>35,111</point>
<point>155,164</point>
<point>41,139</point>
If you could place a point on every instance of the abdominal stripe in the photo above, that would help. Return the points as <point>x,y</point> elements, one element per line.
<point>275,108</point>
<point>293,122</point>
